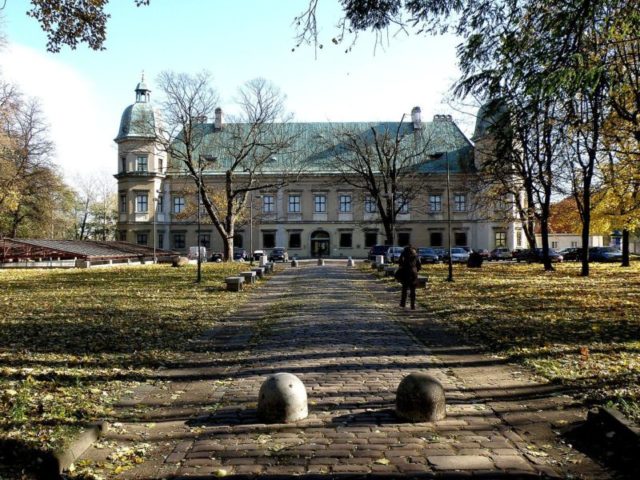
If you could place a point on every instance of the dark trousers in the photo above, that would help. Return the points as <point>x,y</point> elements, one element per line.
<point>412,296</point>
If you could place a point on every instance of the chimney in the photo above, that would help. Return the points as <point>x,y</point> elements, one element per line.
<point>415,118</point>
<point>442,118</point>
<point>218,121</point>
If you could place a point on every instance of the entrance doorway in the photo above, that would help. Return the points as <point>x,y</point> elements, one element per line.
<point>320,244</point>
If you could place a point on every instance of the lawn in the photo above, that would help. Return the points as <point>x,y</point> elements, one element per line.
<point>72,341</point>
<point>583,332</point>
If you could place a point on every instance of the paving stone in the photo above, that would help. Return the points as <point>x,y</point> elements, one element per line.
<point>460,462</point>
<point>341,333</point>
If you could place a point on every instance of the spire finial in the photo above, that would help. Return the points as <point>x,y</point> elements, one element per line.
<point>142,79</point>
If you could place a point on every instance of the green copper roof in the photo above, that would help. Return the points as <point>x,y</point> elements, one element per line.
<point>138,120</point>
<point>311,143</point>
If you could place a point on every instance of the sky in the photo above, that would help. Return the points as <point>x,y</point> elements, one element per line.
<point>83,92</point>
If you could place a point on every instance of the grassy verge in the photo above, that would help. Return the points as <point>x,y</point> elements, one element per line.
<point>72,341</point>
<point>583,332</point>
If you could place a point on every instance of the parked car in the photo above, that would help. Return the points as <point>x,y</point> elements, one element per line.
<point>458,255</point>
<point>571,254</point>
<point>535,255</point>
<point>279,254</point>
<point>441,252</point>
<point>428,255</point>
<point>240,255</point>
<point>216,257</point>
<point>605,254</point>
<point>393,254</point>
<point>257,254</point>
<point>500,253</point>
<point>483,252</point>
<point>377,250</point>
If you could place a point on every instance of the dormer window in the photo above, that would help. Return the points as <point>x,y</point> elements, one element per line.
<point>141,163</point>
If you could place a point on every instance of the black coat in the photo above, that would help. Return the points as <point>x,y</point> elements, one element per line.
<point>409,264</point>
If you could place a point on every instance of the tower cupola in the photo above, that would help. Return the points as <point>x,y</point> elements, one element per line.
<point>143,94</point>
<point>139,120</point>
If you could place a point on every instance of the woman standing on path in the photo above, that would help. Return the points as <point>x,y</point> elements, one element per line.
<point>407,275</point>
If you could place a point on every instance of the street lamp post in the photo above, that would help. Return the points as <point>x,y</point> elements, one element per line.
<point>251,197</point>
<point>153,232</point>
<point>450,277</point>
<point>199,278</point>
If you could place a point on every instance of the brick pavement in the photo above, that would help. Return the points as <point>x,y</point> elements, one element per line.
<point>341,332</point>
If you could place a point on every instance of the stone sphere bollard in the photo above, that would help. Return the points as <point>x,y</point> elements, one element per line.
<point>420,398</point>
<point>282,399</point>
<point>294,262</point>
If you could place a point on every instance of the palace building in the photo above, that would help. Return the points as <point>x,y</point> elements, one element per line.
<point>318,213</point>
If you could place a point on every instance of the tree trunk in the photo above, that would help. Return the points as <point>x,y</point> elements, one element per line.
<point>586,225</point>
<point>625,248</point>
<point>544,234</point>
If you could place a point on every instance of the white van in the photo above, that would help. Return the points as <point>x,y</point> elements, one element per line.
<point>393,254</point>
<point>193,253</point>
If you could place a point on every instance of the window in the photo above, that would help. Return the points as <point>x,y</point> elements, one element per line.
<point>554,244</point>
<point>574,244</point>
<point>142,203</point>
<point>160,165</point>
<point>345,203</point>
<point>320,203</point>
<point>519,238</point>
<point>436,239</point>
<point>460,239</point>
<point>294,203</point>
<point>205,240</point>
<point>501,239</point>
<point>459,202</point>
<point>404,206</point>
<point>404,238</point>
<point>178,240</point>
<point>160,204</point>
<point>435,203</point>
<point>123,203</point>
<point>141,238</point>
<point>346,240</point>
<point>268,239</point>
<point>160,240</point>
<point>122,235</point>
<point>141,163</point>
<point>268,205</point>
<point>238,240</point>
<point>295,240</point>
<point>123,164</point>
<point>370,205</point>
<point>370,239</point>
<point>178,204</point>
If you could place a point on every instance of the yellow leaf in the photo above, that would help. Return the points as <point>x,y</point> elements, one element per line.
<point>382,461</point>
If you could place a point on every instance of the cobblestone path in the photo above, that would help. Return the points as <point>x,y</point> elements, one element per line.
<point>342,333</point>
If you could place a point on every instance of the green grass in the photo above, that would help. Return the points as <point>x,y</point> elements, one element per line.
<point>583,332</point>
<point>72,341</point>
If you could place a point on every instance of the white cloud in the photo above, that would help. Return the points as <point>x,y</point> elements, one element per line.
<point>79,120</point>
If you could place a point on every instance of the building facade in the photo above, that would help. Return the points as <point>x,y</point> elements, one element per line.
<point>318,213</point>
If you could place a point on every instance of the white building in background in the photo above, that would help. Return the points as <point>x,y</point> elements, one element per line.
<point>318,213</point>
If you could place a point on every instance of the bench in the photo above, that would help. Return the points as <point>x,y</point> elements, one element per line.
<point>234,284</point>
<point>422,281</point>
<point>259,271</point>
<point>389,271</point>
<point>249,277</point>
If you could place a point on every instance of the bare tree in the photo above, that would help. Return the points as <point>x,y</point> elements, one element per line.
<point>383,162</point>
<point>255,151</point>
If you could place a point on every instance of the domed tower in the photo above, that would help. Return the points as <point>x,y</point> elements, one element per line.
<point>141,172</point>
